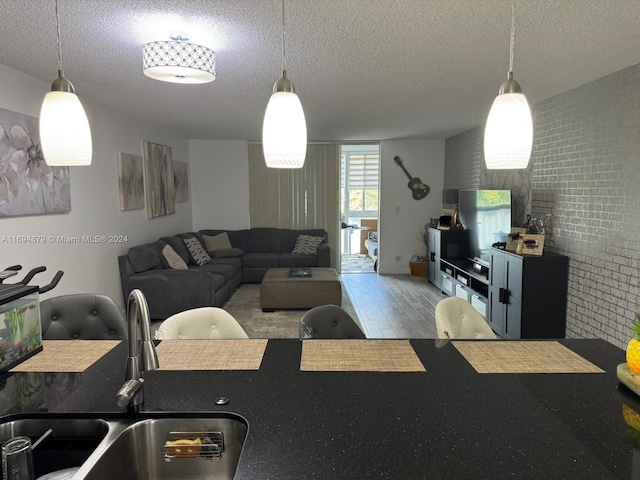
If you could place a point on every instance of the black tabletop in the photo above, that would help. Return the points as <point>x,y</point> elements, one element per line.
<point>447,422</point>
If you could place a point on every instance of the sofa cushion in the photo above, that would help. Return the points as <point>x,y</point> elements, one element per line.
<point>146,257</point>
<point>170,259</point>
<point>197,253</point>
<point>217,242</point>
<point>307,245</point>
<point>235,261</point>
<point>224,269</point>
<point>268,260</point>
<point>264,240</point>
<point>288,237</point>
<point>238,238</point>
<point>178,245</point>
<point>290,260</point>
<point>227,252</point>
<point>217,277</point>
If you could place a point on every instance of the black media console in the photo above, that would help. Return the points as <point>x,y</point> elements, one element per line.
<point>453,272</point>
<point>520,296</point>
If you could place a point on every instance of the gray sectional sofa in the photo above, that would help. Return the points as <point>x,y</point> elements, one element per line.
<point>170,291</point>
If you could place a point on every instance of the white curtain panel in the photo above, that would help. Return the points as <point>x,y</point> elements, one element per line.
<point>306,197</point>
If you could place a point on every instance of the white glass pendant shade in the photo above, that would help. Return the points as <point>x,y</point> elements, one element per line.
<point>508,136</point>
<point>284,132</point>
<point>65,135</point>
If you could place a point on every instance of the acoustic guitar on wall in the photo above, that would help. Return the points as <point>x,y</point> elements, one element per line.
<point>418,189</point>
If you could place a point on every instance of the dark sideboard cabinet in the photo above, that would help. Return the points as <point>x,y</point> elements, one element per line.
<point>528,295</point>
<point>522,297</point>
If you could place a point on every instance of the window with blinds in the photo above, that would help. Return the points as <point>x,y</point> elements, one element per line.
<point>360,179</point>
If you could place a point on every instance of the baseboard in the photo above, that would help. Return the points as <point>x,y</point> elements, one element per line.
<point>393,270</point>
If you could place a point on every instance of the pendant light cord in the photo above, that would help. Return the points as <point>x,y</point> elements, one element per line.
<point>513,34</point>
<point>58,39</point>
<point>284,54</point>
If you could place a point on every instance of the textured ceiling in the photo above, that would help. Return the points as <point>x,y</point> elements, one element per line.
<point>364,69</point>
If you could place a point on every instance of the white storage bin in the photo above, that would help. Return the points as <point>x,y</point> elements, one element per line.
<point>479,304</point>
<point>448,284</point>
<point>462,293</point>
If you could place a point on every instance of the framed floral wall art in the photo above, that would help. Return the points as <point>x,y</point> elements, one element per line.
<point>130,181</point>
<point>181,181</point>
<point>28,186</point>
<point>158,180</point>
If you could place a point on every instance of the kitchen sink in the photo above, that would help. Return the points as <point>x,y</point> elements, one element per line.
<point>70,444</point>
<point>129,447</point>
<point>139,452</point>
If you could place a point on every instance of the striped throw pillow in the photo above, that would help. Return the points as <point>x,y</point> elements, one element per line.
<point>197,254</point>
<point>307,245</point>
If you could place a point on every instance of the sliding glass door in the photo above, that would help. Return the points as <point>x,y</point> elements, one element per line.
<point>359,187</point>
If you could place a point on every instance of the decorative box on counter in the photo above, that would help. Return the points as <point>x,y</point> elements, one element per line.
<point>20,327</point>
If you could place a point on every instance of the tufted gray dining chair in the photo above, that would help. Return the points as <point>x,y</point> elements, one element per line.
<point>82,316</point>
<point>329,321</point>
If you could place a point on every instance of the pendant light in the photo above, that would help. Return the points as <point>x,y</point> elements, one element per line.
<point>284,130</point>
<point>508,135</point>
<point>65,135</point>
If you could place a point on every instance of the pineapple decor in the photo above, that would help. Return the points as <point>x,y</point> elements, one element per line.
<point>629,372</point>
<point>633,348</point>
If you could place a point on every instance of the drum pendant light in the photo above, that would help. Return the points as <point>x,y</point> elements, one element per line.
<point>508,135</point>
<point>65,135</point>
<point>284,130</point>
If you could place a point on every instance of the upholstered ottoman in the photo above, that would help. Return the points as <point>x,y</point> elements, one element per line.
<point>278,291</point>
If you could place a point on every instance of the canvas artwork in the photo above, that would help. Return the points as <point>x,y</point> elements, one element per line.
<point>130,181</point>
<point>181,181</point>
<point>158,180</point>
<point>28,186</point>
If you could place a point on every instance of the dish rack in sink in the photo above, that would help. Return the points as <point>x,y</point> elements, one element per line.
<point>193,445</point>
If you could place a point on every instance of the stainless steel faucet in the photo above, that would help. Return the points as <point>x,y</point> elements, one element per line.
<point>142,355</point>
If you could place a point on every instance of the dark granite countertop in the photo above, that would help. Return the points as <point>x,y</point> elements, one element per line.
<point>447,422</point>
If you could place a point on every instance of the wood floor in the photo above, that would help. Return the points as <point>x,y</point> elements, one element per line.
<point>393,306</point>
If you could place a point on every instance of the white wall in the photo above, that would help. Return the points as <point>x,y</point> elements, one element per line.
<point>402,218</point>
<point>95,206</point>
<point>219,175</point>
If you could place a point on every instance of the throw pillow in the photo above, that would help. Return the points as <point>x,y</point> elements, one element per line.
<point>197,254</point>
<point>227,252</point>
<point>217,242</point>
<point>170,259</point>
<point>307,245</point>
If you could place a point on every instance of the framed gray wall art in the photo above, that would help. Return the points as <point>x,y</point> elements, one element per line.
<point>181,181</point>
<point>158,180</point>
<point>28,186</point>
<point>130,181</point>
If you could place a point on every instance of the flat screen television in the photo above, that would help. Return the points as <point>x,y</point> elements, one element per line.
<point>487,215</point>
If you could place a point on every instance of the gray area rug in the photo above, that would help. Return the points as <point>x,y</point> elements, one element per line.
<point>244,306</point>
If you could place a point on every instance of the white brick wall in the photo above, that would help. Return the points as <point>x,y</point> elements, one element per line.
<point>586,172</point>
<point>462,160</point>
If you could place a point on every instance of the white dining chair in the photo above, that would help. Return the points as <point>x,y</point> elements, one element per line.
<point>200,323</point>
<point>456,318</point>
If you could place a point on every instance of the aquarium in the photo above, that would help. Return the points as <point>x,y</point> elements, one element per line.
<point>20,329</point>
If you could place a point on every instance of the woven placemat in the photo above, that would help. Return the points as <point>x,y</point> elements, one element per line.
<point>211,354</point>
<point>523,357</point>
<point>359,356</point>
<point>67,355</point>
